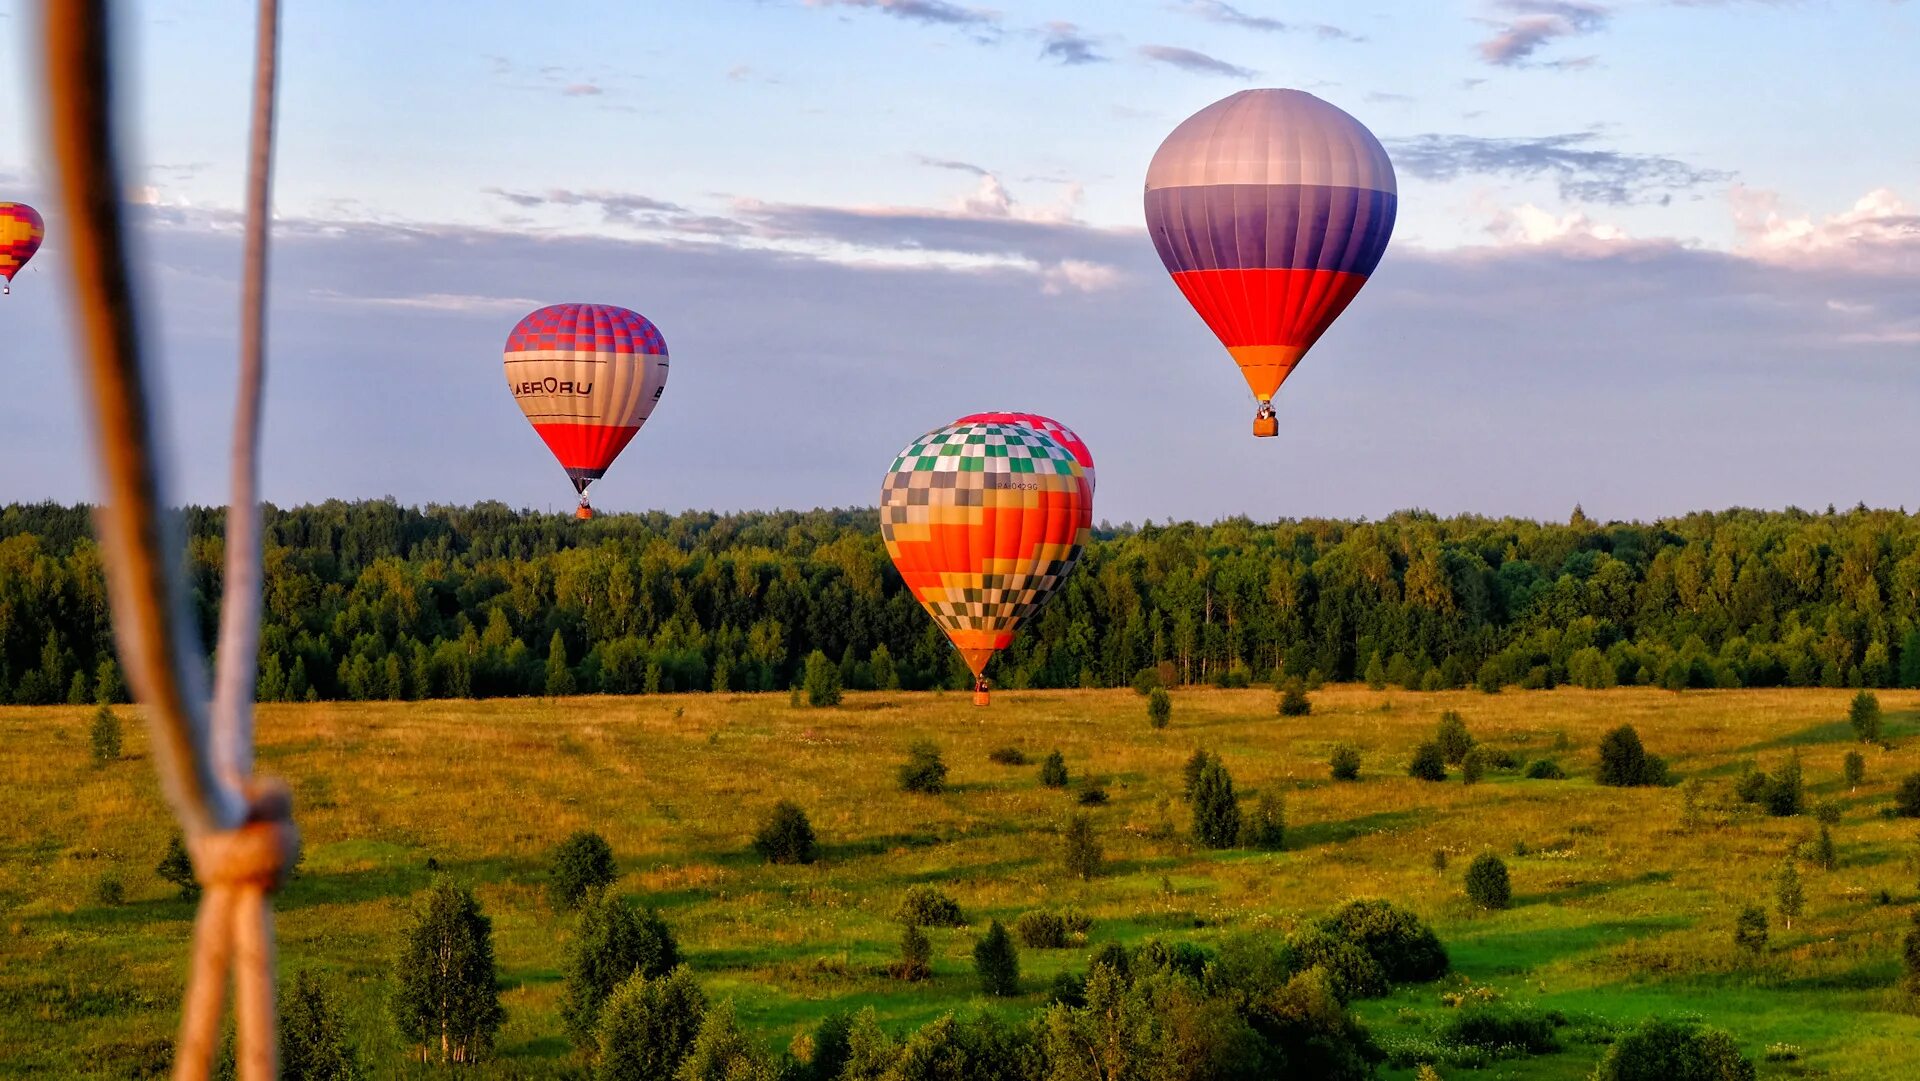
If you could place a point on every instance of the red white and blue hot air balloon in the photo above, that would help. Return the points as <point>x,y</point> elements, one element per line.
<point>1270,208</point>
<point>587,376</point>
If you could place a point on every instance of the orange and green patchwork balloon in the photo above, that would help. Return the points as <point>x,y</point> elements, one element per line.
<point>984,521</point>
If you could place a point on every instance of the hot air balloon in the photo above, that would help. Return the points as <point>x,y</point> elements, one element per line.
<point>1270,208</point>
<point>1060,432</point>
<point>21,231</point>
<point>587,376</point>
<point>984,521</point>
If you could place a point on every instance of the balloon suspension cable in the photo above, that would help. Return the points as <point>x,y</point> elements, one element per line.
<point>239,827</point>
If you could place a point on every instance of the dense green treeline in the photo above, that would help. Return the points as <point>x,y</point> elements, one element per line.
<point>374,601</point>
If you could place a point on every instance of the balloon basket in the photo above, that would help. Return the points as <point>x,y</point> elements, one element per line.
<point>979,698</point>
<point>584,513</point>
<point>1266,427</point>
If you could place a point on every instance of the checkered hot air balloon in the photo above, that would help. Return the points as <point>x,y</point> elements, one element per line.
<point>984,521</point>
<point>587,376</point>
<point>21,231</point>
<point>1270,208</point>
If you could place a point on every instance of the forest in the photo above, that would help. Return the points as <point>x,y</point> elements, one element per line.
<point>373,600</point>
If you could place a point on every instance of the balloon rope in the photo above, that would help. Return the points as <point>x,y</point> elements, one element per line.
<point>239,829</point>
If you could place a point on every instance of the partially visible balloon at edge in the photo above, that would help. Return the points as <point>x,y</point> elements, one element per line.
<point>21,231</point>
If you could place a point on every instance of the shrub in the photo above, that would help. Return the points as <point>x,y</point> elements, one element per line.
<point>1451,735</point>
<point>314,1045</point>
<point>1216,810</point>
<point>1473,767</point>
<point>1906,798</point>
<point>176,867</point>
<point>648,1026</point>
<point>582,864</point>
<point>1007,756</point>
<point>612,942</point>
<point>1404,947</point>
<point>448,995</point>
<point>1855,769</point>
<point>786,836</point>
<point>1827,812</point>
<point>109,891</point>
<point>1146,681</point>
<point>1041,931</point>
<point>1350,969</point>
<point>1750,929</point>
<point>1782,793</point>
<point>1625,763</point>
<point>104,736</point>
<point>1266,827</point>
<point>1488,678</point>
<point>916,955</point>
<point>1053,771</point>
<point>821,679</point>
<point>1674,1051</point>
<point>1159,708</point>
<point>1080,849</point>
<point>1345,763</point>
<point>1091,794</point>
<point>1545,769</point>
<point>724,1052</point>
<point>1487,883</point>
<point>923,770</point>
<point>1864,717</point>
<point>1294,701</point>
<point>1499,1030</point>
<point>924,906</point>
<point>997,962</point>
<point>1429,763</point>
<point>1498,758</point>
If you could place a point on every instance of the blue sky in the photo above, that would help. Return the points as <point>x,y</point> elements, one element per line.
<point>1652,256</point>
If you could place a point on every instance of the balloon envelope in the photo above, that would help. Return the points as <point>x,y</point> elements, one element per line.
<point>984,521</point>
<point>1270,208</point>
<point>587,376</point>
<point>1060,432</point>
<point>21,231</point>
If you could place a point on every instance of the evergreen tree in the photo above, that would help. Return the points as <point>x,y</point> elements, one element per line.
<point>724,1052</point>
<point>1190,773</point>
<point>1750,929</point>
<point>1452,738</point>
<point>1854,770</point>
<point>1429,763</point>
<point>1053,771</point>
<point>612,942</point>
<point>1376,674</point>
<point>1345,763</point>
<point>916,955</point>
<point>1159,708</point>
<point>996,961</point>
<point>885,676</point>
<point>1864,717</point>
<point>1216,811</point>
<point>448,999</point>
<point>103,736</point>
<point>582,864</point>
<point>786,836</point>
<point>176,867</point>
<point>648,1026</point>
<point>559,675</point>
<point>822,681</point>
<point>1487,883</point>
<point>923,771</point>
<point>1293,699</point>
<point>1266,827</point>
<point>314,1041</point>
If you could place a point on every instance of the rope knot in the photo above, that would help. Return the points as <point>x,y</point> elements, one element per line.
<point>260,851</point>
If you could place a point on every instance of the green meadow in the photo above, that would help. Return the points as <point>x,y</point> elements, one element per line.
<point>1623,903</point>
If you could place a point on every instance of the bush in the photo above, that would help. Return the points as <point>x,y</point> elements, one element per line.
<point>1294,701</point>
<point>1750,929</point>
<point>1080,849</point>
<point>1266,827</point>
<point>997,962</point>
<point>176,867</point>
<point>1473,767</point>
<point>1350,969</point>
<point>449,991</point>
<point>1906,798</point>
<point>612,942</point>
<point>1498,758</point>
<point>1216,810</point>
<point>649,1026</point>
<point>1092,794</point>
<point>314,1045</point>
<point>724,1052</point>
<point>1782,793</point>
<point>582,864</point>
<point>1499,1030</point>
<point>786,836</point>
<point>924,906</point>
<point>1345,763</point>
<point>1053,771</point>
<point>1854,771</point>
<point>1146,681</point>
<point>916,955</point>
<point>1404,947</point>
<point>821,679</point>
<point>1488,678</point>
<point>1828,812</point>
<point>1451,735</point>
<point>1007,756</point>
<point>1864,717</point>
<point>1041,931</point>
<point>1487,883</point>
<point>1674,1051</point>
<point>1545,769</point>
<point>104,736</point>
<point>1159,708</point>
<point>923,770</point>
<point>1624,763</point>
<point>1429,763</point>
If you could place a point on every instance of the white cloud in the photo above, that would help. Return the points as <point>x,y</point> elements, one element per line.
<point>1527,224</point>
<point>1880,229</point>
<point>1078,275</point>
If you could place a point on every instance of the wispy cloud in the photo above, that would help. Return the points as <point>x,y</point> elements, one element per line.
<point>1216,11</point>
<point>1526,26</point>
<point>1066,43</point>
<point>1583,172</point>
<point>1194,61</point>
<point>934,12</point>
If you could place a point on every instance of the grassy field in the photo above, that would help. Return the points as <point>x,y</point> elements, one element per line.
<point>1620,911</point>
